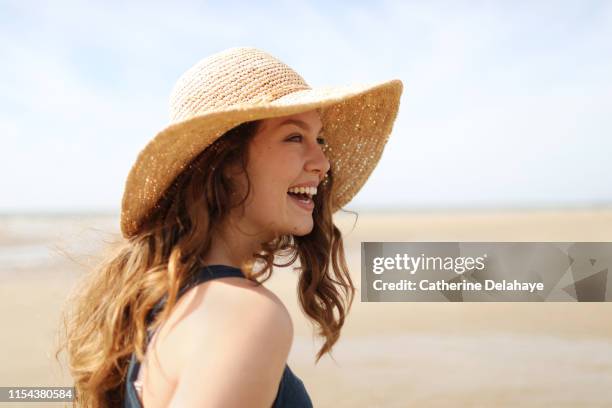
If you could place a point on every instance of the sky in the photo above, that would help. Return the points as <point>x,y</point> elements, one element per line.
<point>505,104</point>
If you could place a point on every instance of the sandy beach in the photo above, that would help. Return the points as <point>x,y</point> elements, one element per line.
<point>390,354</point>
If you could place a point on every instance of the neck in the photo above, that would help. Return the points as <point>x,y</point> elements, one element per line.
<point>234,244</point>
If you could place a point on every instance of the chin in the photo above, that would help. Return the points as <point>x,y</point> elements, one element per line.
<point>301,230</point>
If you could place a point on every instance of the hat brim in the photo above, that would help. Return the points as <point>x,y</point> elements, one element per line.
<point>357,121</point>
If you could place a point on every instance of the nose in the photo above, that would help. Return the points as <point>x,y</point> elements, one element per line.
<point>317,162</point>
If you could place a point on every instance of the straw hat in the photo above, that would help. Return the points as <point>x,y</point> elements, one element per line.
<point>243,84</point>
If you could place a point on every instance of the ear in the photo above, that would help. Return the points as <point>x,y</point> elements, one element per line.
<point>232,170</point>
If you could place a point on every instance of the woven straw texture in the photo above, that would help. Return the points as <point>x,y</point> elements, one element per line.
<point>244,84</point>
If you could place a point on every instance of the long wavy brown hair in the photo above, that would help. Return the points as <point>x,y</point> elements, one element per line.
<point>105,320</point>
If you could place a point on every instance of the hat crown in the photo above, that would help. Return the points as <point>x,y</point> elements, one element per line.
<point>231,78</point>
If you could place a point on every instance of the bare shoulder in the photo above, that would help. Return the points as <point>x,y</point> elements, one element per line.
<point>232,299</point>
<point>242,337</point>
<point>236,311</point>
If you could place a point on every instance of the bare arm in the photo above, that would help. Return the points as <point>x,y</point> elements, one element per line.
<point>239,359</point>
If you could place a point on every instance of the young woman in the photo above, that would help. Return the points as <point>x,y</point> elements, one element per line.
<point>251,168</point>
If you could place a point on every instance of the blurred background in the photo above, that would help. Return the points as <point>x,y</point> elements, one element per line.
<point>503,134</point>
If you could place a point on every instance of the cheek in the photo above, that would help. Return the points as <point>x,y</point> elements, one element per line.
<point>274,176</point>
<point>269,195</point>
<point>271,172</point>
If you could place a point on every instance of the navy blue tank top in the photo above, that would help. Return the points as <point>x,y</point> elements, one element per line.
<point>291,391</point>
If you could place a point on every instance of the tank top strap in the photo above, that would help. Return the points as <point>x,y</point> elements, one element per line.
<point>209,272</point>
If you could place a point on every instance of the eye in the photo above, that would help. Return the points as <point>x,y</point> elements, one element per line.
<point>296,136</point>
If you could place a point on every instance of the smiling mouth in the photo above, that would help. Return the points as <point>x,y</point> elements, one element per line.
<point>300,196</point>
<point>303,200</point>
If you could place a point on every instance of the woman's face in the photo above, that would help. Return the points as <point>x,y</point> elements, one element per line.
<point>285,152</point>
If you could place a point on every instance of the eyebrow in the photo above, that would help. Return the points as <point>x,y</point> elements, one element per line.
<point>298,123</point>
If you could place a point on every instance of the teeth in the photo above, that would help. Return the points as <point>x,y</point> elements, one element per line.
<point>311,191</point>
